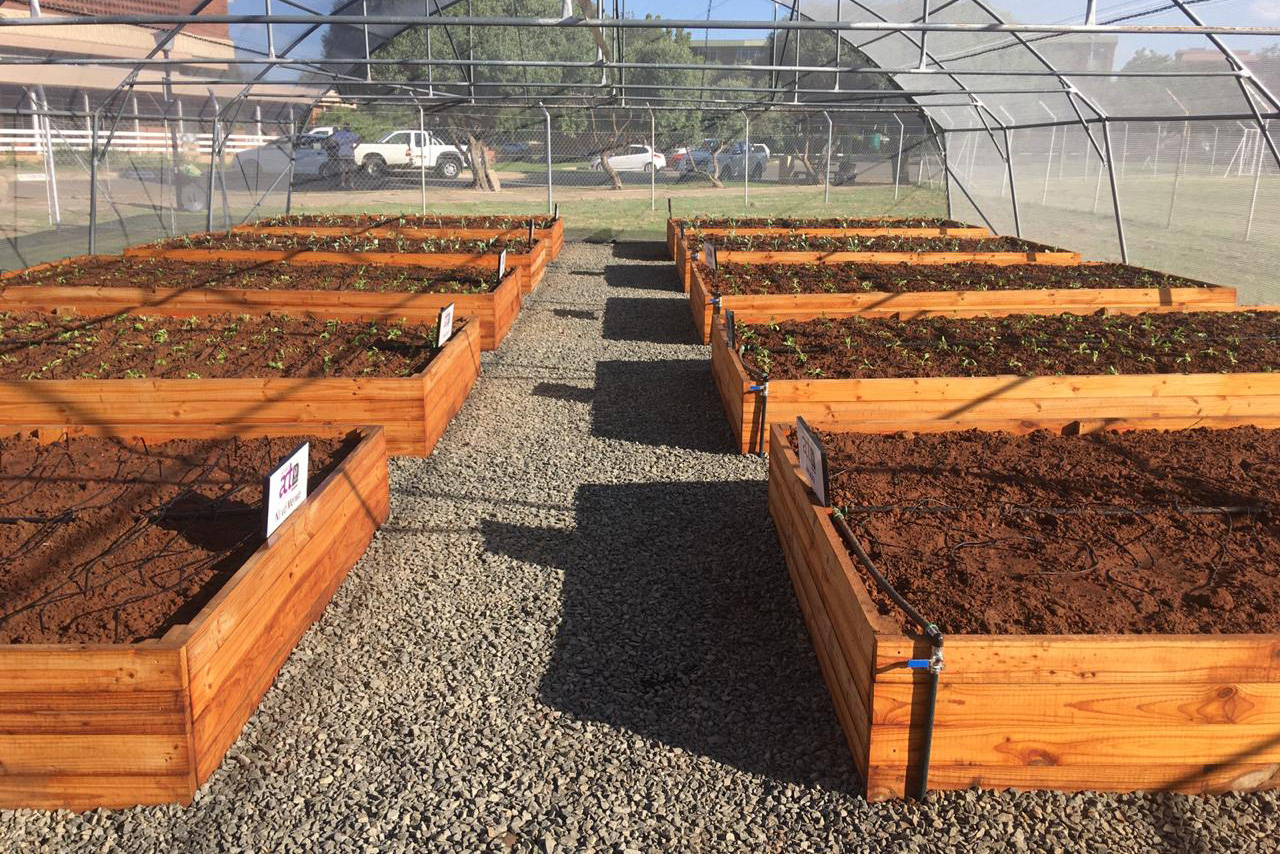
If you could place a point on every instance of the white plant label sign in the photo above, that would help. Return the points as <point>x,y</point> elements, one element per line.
<point>813,460</point>
<point>287,487</point>
<point>502,264</point>
<point>445,325</point>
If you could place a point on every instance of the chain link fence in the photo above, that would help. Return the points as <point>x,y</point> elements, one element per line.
<point>1199,198</point>
<point>610,172</point>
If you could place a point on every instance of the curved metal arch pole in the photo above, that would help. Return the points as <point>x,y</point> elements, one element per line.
<point>946,169</point>
<point>960,184</point>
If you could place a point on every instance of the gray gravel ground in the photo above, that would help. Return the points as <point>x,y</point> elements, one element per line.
<point>576,634</point>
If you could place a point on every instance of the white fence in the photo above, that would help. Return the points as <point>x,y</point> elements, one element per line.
<point>33,141</point>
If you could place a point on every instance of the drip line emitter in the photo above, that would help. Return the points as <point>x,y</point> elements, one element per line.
<point>813,459</point>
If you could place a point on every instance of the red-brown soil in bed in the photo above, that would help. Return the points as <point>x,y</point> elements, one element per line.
<point>809,243</point>
<point>368,220</point>
<point>248,241</point>
<point>107,271</point>
<point>753,279</point>
<point>800,223</point>
<point>1023,344</point>
<point>1139,532</point>
<point>106,541</point>
<point>37,346</point>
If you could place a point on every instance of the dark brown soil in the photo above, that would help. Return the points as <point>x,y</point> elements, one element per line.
<point>1147,531</point>
<point>911,278</point>
<point>1024,344</point>
<point>342,243</point>
<point>108,542</point>
<point>808,243</point>
<point>112,271</point>
<point>405,221</point>
<point>35,346</point>
<point>829,222</point>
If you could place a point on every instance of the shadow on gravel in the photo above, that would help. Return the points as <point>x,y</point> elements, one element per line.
<point>656,321</point>
<point>576,313</point>
<point>679,624</point>
<point>641,250</point>
<point>564,391</point>
<point>668,402</point>
<point>642,278</point>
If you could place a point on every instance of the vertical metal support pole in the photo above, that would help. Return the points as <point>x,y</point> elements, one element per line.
<point>839,40</point>
<point>946,174</point>
<point>902,131</point>
<point>1048,166</point>
<point>364,12</point>
<point>1213,152</point>
<point>924,38</point>
<point>431,72</point>
<point>1013,192</point>
<point>653,166</point>
<point>746,156</point>
<point>550,203</point>
<point>222,172</point>
<point>182,125</point>
<point>826,178</point>
<point>1257,179</point>
<point>1115,191</point>
<point>93,183</point>
<point>1177,174</point>
<point>257,121</point>
<point>271,35</point>
<point>1155,163</point>
<point>137,125</point>
<point>795,93</point>
<point>1124,151</point>
<point>1097,189</point>
<point>213,167</point>
<point>422,156</point>
<point>288,190</point>
<point>88,118</point>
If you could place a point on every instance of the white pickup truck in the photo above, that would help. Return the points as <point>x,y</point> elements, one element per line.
<point>404,149</point>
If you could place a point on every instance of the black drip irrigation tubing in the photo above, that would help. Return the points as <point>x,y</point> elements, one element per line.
<point>1188,510</point>
<point>933,664</point>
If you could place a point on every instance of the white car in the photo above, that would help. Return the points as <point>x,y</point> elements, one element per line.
<point>633,158</point>
<point>310,160</point>
<point>404,149</point>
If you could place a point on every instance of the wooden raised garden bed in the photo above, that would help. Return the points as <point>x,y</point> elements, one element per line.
<point>1184,711</point>
<point>960,402</point>
<point>546,228</point>
<point>821,227</point>
<point>1181,294</point>
<point>809,249</point>
<point>414,409</point>
<point>90,725</point>
<point>308,249</point>
<point>225,287</point>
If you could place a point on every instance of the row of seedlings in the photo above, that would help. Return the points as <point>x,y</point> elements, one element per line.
<point>168,589</point>
<point>885,244</point>
<point>1032,550</point>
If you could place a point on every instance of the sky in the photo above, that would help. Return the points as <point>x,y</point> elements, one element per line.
<point>1225,12</point>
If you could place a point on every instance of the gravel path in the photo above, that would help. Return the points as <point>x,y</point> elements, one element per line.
<point>576,634</point>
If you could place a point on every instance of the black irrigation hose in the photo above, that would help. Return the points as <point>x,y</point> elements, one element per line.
<point>1063,511</point>
<point>932,632</point>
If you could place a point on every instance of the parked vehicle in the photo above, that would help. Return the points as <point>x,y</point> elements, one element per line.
<point>633,158</point>
<point>676,159</point>
<point>704,158</point>
<point>515,150</point>
<point>405,150</point>
<point>731,160</point>
<point>310,159</point>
